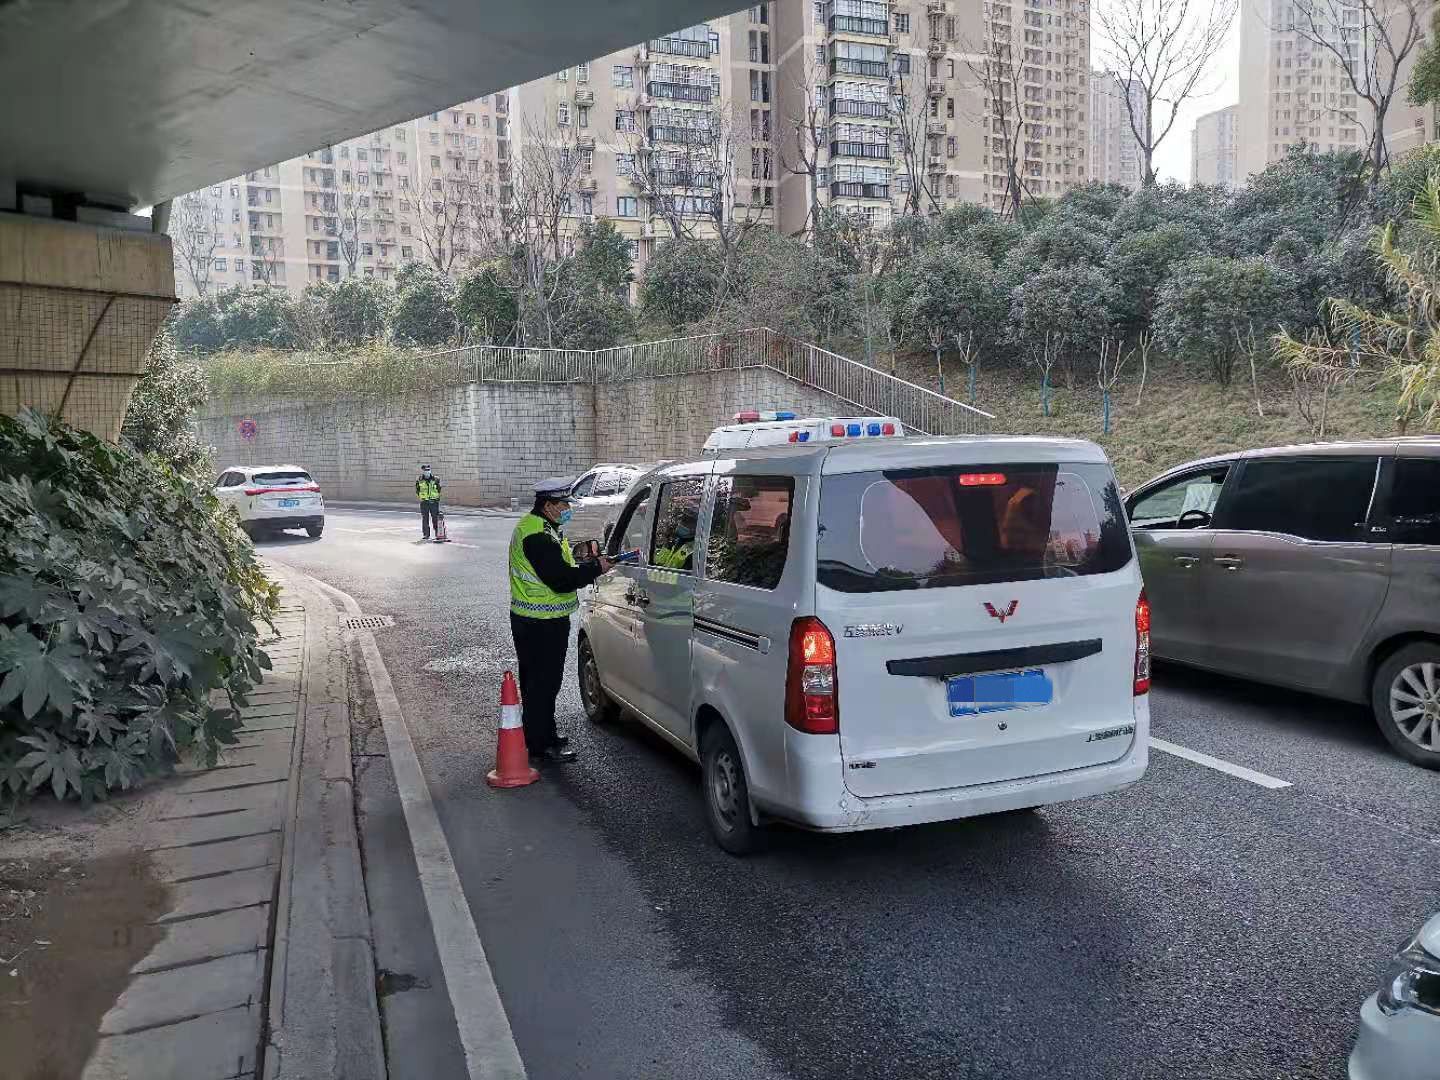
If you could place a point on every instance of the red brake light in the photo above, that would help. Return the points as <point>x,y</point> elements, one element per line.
<point>1142,645</point>
<point>981,479</point>
<point>810,682</point>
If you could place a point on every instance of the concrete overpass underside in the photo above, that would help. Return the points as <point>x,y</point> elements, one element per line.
<point>111,105</point>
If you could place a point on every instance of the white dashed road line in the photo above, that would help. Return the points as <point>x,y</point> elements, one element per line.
<point>485,1035</point>
<point>1219,765</point>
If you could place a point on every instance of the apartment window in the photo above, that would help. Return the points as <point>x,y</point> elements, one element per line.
<point>367,250</point>
<point>407,253</point>
<point>819,13</point>
<point>587,161</point>
<point>935,109</point>
<point>950,69</point>
<point>950,28</point>
<point>950,108</point>
<point>239,266</point>
<point>625,206</point>
<point>268,194</point>
<point>485,122</point>
<point>624,120</point>
<point>469,119</point>
<point>404,230</point>
<point>404,183</point>
<point>472,143</point>
<point>902,63</point>
<point>400,158</point>
<point>234,191</point>
<point>582,116</point>
<point>624,164</point>
<point>455,118</point>
<point>949,187</point>
<point>562,113</point>
<point>587,203</point>
<point>435,185</point>
<point>902,24</point>
<point>235,213</point>
<point>502,129</point>
<point>399,134</point>
<point>950,146</point>
<point>404,206</point>
<point>218,264</point>
<point>582,73</point>
<point>563,75</point>
<point>622,75</point>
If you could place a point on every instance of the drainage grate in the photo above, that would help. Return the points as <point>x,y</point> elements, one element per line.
<point>368,622</point>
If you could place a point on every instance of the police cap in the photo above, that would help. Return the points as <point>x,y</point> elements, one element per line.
<point>556,487</point>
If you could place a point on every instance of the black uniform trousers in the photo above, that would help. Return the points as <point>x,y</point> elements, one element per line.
<point>429,511</point>
<point>540,647</point>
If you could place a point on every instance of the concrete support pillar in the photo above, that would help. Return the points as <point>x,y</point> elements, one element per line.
<point>80,305</point>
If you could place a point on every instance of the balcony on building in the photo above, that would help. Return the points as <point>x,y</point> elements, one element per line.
<point>588,183</point>
<point>679,136</point>
<point>585,142</point>
<point>848,65</point>
<point>935,88</point>
<point>936,7</point>
<point>672,91</point>
<point>870,151</point>
<point>845,189</point>
<point>872,110</point>
<point>695,48</point>
<point>685,177</point>
<point>863,18</point>
<point>584,96</point>
<point>935,127</point>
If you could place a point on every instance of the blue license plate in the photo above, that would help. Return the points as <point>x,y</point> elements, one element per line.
<point>971,695</point>
<point>286,503</point>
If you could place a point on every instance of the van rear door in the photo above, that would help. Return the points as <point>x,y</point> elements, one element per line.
<point>983,609</point>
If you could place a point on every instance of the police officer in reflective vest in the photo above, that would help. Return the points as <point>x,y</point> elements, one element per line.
<point>544,578</point>
<point>679,554</point>
<point>427,489</point>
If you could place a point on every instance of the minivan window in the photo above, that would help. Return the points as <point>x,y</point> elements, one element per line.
<point>282,478</point>
<point>750,530</point>
<point>677,516</point>
<point>583,488</point>
<point>1415,501</point>
<point>631,533</point>
<point>1162,507</point>
<point>1323,499</point>
<point>970,525</point>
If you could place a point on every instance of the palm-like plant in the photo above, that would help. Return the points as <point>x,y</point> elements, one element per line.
<point>1402,343</point>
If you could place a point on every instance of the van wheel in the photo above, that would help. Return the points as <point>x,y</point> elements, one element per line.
<point>600,708</point>
<point>727,796</point>
<point>1406,699</point>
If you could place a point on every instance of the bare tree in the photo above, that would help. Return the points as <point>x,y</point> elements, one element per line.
<point>349,209</point>
<point>194,234</point>
<point>1369,40</point>
<point>1164,51</point>
<point>1005,119</point>
<point>802,146</point>
<point>693,179</point>
<point>918,149</point>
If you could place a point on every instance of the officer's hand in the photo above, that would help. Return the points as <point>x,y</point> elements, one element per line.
<point>605,564</point>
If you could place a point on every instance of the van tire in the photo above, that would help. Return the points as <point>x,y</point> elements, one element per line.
<point>600,707</point>
<point>314,531</point>
<point>726,794</point>
<point>1386,676</point>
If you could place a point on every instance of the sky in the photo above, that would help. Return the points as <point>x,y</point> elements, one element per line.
<point>1172,159</point>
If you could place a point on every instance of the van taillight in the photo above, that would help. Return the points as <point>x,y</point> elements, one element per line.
<point>1142,645</point>
<point>810,703</point>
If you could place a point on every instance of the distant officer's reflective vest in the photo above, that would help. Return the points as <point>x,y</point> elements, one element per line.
<point>529,596</point>
<point>428,490</point>
<point>674,558</point>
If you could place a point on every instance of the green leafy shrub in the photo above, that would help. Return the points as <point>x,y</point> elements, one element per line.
<point>128,600</point>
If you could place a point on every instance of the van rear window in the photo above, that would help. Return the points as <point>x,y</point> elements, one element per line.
<point>971,525</point>
<point>283,478</point>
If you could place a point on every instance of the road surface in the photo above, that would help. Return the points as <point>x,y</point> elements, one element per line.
<point>1200,924</point>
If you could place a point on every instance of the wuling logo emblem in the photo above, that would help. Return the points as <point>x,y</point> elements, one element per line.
<point>996,613</point>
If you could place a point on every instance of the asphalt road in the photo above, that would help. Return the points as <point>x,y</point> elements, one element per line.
<point>1197,925</point>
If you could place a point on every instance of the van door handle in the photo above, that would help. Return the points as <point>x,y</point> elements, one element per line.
<point>1229,562</point>
<point>1187,561</point>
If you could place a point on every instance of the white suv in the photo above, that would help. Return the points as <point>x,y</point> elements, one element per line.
<point>272,498</point>
<point>877,633</point>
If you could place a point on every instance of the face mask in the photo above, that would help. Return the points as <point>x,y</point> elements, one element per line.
<point>425,473</point>
<point>564,518</point>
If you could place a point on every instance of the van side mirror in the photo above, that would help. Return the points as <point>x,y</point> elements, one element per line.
<point>1193,519</point>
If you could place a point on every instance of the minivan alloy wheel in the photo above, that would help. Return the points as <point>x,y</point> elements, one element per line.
<point>724,788</point>
<point>1415,703</point>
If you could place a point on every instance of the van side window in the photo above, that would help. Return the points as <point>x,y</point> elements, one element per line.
<point>632,530</point>
<point>677,517</point>
<point>583,488</point>
<point>750,530</point>
<point>1188,497</point>
<point>1323,499</point>
<point>1414,509</point>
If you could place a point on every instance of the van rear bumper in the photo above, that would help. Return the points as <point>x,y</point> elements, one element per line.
<point>850,813</point>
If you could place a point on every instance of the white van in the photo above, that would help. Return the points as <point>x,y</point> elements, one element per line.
<point>878,633</point>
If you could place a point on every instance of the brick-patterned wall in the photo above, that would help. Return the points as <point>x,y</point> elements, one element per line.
<point>490,442</point>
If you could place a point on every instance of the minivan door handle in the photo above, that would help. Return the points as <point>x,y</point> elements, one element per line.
<point>1229,562</point>
<point>1186,561</point>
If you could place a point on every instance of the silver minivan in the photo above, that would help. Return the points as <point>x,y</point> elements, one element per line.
<point>1313,567</point>
<point>880,632</point>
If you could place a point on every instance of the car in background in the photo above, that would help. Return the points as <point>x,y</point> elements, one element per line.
<point>596,499</point>
<point>1400,1025</point>
<point>1311,567</point>
<point>272,498</point>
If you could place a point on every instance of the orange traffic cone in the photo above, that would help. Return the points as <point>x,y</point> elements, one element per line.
<point>512,762</point>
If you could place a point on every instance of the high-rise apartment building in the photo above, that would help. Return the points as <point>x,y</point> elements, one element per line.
<point>1293,91</point>
<point>1212,149</point>
<point>364,207</point>
<point>1115,154</point>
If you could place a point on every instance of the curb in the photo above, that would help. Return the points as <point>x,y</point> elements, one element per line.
<point>412,508</point>
<point>322,1016</point>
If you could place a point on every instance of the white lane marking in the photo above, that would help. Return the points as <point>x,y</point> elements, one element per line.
<point>485,1035</point>
<point>1219,765</point>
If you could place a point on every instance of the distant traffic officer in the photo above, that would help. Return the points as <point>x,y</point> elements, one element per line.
<point>427,488</point>
<point>544,578</point>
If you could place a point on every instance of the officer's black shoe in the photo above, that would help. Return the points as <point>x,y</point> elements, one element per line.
<point>555,754</point>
